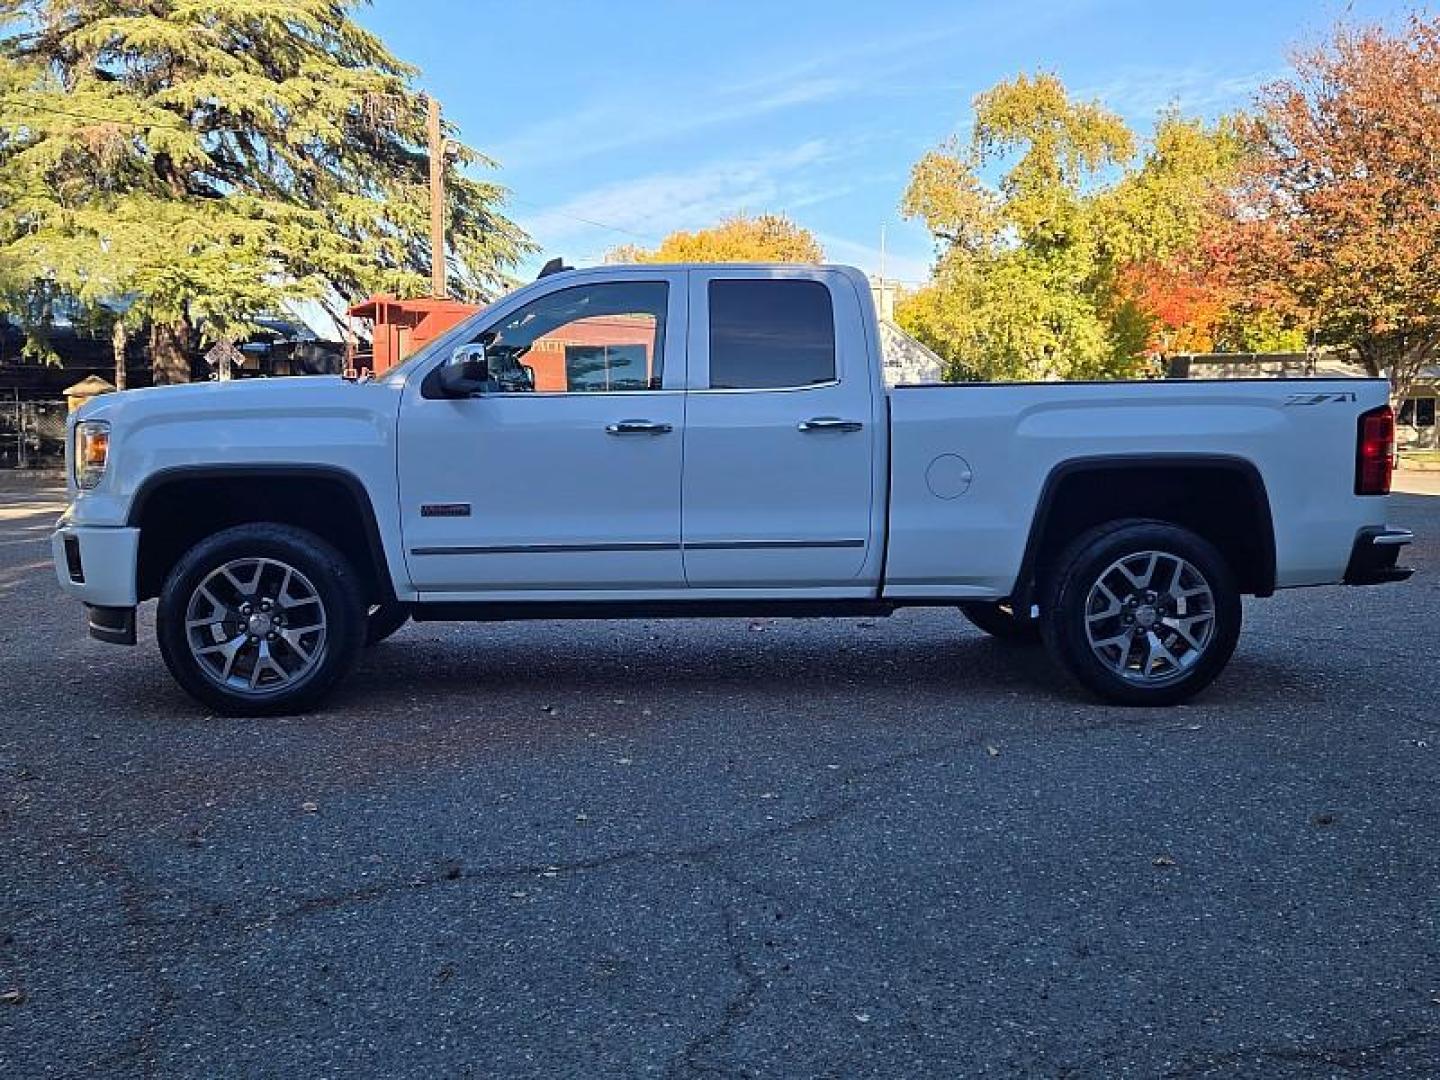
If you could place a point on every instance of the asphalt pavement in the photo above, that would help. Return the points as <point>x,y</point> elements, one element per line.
<point>839,848</point>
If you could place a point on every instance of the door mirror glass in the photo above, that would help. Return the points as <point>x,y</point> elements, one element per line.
<point>468,372</point>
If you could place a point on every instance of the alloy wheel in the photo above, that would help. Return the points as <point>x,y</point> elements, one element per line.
<point>256,626</point>
<point>1150,616</point>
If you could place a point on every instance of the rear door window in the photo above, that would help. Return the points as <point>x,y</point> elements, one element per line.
<point>771,334</point>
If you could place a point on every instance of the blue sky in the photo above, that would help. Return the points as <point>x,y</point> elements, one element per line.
<point>617,121</point>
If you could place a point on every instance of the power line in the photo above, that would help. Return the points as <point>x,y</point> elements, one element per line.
<point>91,116</point>
<point>586,221</point>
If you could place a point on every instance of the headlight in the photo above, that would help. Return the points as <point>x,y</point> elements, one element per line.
<point>92,451</point>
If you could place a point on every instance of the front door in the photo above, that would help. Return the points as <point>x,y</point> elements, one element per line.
<point>780,434</point>
<point>564,475</point>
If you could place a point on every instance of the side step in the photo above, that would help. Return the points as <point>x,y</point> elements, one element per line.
<point>651,609</point>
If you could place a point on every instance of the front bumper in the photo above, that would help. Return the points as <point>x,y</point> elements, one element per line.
<point>96,565</point>
<point>1374,556</point>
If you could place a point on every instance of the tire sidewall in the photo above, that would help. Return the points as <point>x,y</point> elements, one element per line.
<point>335,583</point>
<point>1064,622</point>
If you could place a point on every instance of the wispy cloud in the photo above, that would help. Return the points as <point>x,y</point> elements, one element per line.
<point>644,208</point>
<point>870,66</point>
<point>619,125</point>
<point>1143,92</point>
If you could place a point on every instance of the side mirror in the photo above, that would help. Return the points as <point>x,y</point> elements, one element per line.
<point>468,372</point>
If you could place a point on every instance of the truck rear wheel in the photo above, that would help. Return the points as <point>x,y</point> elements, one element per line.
<point>1141,612</point>
<point>260,620</point>
<point>1000,621</point>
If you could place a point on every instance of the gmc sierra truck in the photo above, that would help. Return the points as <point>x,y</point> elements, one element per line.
<point>710,440</point>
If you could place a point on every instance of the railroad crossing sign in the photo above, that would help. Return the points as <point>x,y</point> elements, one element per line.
<point>224,357</point>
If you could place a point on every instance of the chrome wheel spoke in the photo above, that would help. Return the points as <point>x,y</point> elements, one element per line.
<point>1185,627</point>
<point>1112,603</point>
<point>1157,652</point>
<point>295,640</point>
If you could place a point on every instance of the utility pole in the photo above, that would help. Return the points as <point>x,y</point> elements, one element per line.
<point>437,197</point>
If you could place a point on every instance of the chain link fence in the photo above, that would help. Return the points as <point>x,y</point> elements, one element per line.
<point>32,433</point>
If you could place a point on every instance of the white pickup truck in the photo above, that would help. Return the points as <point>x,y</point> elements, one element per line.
<point>710,440</point>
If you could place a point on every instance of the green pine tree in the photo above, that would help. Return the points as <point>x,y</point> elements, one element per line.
<point>213,158</point>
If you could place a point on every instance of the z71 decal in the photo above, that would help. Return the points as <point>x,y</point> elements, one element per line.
<point>1336,398</point>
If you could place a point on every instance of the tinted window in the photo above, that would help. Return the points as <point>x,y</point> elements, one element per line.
<point>770,334</point>
<point>601,337</point>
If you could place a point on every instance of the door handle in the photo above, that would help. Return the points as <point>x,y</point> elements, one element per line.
<point>830,423</point>
<point>638,427</point>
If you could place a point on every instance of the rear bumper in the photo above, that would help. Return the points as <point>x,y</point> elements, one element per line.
<point>1375,555</point>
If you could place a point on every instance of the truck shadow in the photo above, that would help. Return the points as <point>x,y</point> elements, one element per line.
<point>923,660</point>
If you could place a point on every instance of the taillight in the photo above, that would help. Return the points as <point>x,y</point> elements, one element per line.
<point>1375,452</point>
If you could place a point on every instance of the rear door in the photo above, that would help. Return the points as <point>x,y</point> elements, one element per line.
<point>780,434</point>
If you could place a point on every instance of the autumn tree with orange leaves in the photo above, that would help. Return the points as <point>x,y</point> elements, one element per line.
<point>1342,211</point>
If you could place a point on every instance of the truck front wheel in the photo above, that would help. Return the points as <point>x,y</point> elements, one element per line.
<point>1141,612</point>
<point>260,620</point>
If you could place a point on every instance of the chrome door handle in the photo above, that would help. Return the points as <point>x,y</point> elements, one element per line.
<point>638,427</point>
<point>830,423</point>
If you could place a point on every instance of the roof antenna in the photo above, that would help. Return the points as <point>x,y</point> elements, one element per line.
<point>554,266</point>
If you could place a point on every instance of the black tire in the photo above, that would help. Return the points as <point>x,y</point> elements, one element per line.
<point>384,619</point>
<point>322,589</point>
<point>1073,599</point>
<point>999,621</point>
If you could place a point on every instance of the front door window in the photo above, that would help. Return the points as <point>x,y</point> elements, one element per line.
<point>587,339</point>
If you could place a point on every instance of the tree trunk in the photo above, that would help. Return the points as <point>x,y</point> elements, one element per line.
<point>169,360</point>
<point>1406,369</point>
<point>1370,357</point>
<point>118,339</point>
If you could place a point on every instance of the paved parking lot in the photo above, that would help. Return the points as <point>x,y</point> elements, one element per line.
<point>841,848</point>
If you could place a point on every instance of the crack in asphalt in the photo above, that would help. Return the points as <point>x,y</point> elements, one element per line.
<point>1345,1057</point>
<point>820,819</point>
<point>737,1008</point>
<point>143,1046</point>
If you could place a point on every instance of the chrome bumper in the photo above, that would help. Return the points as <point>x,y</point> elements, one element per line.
<point>1374,556</point>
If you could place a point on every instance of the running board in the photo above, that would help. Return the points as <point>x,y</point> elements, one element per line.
<point>650,609</point>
